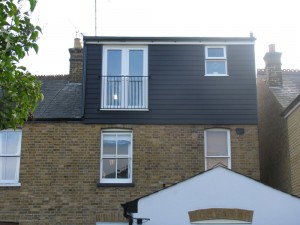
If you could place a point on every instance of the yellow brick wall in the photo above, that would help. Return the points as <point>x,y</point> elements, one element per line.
<point>60,165</point>
<point>294,147</point>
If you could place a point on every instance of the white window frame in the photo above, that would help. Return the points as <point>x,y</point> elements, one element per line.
<point>124,72</point>
<point>228,146</point>
<point>14,182</point>
<point>215,59</point>
<point>116,180</point>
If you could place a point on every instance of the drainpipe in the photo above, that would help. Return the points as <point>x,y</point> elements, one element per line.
<point>126,214</point>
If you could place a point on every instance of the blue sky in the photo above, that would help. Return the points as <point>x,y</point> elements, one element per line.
<point>272,22</point>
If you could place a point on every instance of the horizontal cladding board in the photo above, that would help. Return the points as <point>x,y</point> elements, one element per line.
<point>175,120</point>
<point>176,112</point>
<point>164,121</point>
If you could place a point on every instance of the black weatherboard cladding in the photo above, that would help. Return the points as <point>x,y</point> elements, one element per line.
<point>179,93</point>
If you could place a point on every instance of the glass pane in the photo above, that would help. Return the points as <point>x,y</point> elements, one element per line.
<point>215,67</point>
<point>114,58</point>
<point>13,142</point>
<point>135,62</point>
<point>215,52</point>
<point>109,144</point>
<point>216,143</point>
<point>135,92</point>
<point>211,162</point>
<point>113,91</point>
<point>8,168</point>
<point>123,168</point>
<point>3,137</point>
<point>124,144</point>
<point>109,168</point>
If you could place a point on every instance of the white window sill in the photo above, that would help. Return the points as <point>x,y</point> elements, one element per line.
<point>10,184</point>
<point>216,75</point>
<point>115,185</point>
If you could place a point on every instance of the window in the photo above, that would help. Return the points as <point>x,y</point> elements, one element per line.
<point>10,151</point>
<point>116,157</point>
<point>217,148</point>
<point>125,78</point>
<point>215,61</point>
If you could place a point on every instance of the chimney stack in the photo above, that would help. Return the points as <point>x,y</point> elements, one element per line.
<point>76,62</point>
<point>273,67</point>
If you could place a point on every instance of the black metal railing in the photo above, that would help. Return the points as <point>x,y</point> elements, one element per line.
<point>124,92</point>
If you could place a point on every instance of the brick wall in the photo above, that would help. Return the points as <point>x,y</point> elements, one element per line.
<point>273,140</point>
<point>294,146</point>
<point>60,166</point>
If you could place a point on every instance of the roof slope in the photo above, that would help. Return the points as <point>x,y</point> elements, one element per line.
<point>61,100</point>
<point>290,88</point>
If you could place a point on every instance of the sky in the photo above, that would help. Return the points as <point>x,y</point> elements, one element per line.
<point>270,21</point>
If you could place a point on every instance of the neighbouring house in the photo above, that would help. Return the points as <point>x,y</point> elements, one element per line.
<point>140,116</point>
<point>279,124</point>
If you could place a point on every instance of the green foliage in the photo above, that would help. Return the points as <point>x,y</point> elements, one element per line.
<point>19,89</point>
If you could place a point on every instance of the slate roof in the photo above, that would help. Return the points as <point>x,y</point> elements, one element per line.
<point>290,89</point>
<point>62,99</point>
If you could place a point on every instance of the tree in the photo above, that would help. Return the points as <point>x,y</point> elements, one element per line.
<point>19,89</point>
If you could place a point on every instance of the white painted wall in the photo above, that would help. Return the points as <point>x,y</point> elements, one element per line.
<point>219,188</point>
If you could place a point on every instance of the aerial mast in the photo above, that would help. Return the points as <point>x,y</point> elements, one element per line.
<point>95,17</point>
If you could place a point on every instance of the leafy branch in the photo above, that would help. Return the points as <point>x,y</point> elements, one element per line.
<point>19,89</point>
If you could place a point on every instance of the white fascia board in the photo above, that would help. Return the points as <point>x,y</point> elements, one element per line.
<point>170,42</point>
<point>292,110</point>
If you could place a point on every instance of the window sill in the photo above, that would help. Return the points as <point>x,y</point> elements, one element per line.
<point>10,184</point>
<point>216,75</point>
<point>115,184</point>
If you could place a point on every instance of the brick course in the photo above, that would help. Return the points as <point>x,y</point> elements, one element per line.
<point>60,168</point>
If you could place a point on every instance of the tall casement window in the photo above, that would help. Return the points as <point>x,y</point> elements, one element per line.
<point>10,152</point>
<point>116,157</point>
<point>217,148</point>
<point>125,78</point>
<point>215,61</point>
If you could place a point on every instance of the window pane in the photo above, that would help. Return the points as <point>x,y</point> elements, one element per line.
<point>109,144</point>
<point>136,62</point>
<point>215,67</point>
<point>113,91</point>
<point>114,62</point>
<point>13,142</point>
<point>109,168</point>
<point>124,144</point>
<point>3,138</point>
<point>215,52</point>
<point>211,162</point>
<point>8,168</point>
<point>216,143</point>
<point>123,168</point>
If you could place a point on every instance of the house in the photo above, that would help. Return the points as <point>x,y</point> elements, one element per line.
<point>148,112</point>
<point>279,126</point>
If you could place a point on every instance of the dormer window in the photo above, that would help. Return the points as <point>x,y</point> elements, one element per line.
<point>215,61</point>
<point>125,78</point>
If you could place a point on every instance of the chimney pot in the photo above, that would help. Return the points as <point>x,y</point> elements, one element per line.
<point>272,48</point>
<point>77,43</point>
